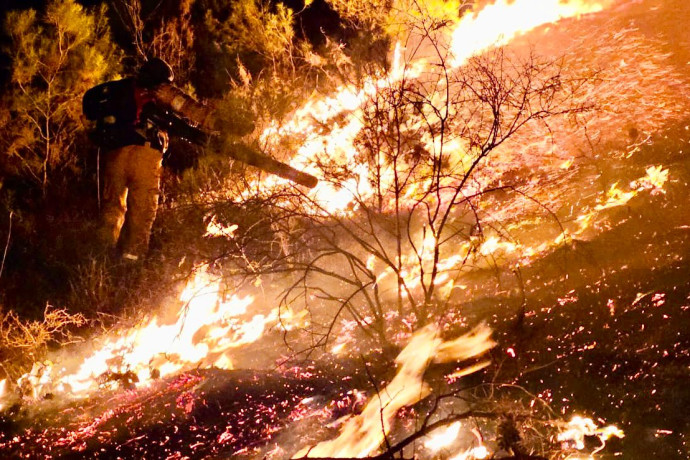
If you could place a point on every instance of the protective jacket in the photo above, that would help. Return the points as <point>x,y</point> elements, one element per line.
<point>126,113</point>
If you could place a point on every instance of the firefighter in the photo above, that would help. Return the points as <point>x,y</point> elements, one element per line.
<point>135,146</point>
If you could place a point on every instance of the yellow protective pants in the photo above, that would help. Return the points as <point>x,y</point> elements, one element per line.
<point>131,182</point>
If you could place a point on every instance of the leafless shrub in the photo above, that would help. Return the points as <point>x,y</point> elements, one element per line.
<point>414,222</point>
<point>24,342</point>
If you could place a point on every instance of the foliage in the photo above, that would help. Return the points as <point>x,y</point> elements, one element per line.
<point>254,27</point>
<point>396,17</point>
<point>242,41</point>
<point>57,55</point>
<point>251,49</point>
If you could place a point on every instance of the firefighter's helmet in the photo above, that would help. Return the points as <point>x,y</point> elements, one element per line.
<point>154,72</point>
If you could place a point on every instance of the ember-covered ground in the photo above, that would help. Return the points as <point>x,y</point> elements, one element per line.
<point>606,330</point>
<point>605,333</point>
<point>624,360</point>
<point>202,414</point>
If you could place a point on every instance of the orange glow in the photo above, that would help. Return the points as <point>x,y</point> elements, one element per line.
<point>616,197</point>
<point>479,452</point>
<point>337,349</point>
<point>498,24</point>
<point>468,370</point>
<point>493,244</point>
<point>3,393</point>
<point>492,26</point>
<point>444,438</point>
<point>208,327</point>
<point>214,228</point>
<point>579,427</point>
<point>654,181</point>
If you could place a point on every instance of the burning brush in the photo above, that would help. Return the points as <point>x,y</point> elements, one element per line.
<point>210,326</point>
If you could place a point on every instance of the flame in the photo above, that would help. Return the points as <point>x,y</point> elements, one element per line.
<point>3,393</point>
<point>498,24</point>
<point>215,228</point>
<point>654,180</point>
<point>37,383</point>
<point>479,452</point>
<point>362,434</point>
<point>616,197</point>
<point>492,26</point>
<point>342,114</point>
<point>338,348</point>
<point>444,438</point>
<point>494,244</point>
<point>467,370</point>
<point>208,327</point>
<point>579,427</point>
